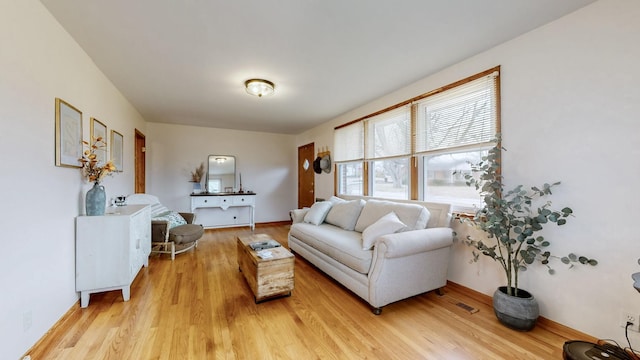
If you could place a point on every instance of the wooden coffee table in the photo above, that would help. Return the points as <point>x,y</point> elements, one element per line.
<point>267,278</point>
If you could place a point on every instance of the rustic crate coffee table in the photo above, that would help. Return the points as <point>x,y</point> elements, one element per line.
<point>267,278</point>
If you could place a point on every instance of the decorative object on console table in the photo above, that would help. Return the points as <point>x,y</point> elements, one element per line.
<point>241,190</point>
<point>510,221</point>
<point>196,177</point>
<point>96,200</point>
<point>94,171</point>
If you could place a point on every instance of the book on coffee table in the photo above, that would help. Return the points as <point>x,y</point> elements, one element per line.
<point>261,245</point>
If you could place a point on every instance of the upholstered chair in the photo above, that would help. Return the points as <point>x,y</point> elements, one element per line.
<point>171,232</point>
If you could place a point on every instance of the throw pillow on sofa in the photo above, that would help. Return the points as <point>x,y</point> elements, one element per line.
<point>173,218</point>
<point>318,212</point>
<point>386,225</point>
<point>414,216</point>
<point>344,213</point>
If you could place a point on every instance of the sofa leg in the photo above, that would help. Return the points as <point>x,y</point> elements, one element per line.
<point>377,311</point>
<point>440,291</point>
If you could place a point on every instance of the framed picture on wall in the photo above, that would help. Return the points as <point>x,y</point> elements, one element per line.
<point>68,134</point>
<point>117,141</point>
<point>99,131</point>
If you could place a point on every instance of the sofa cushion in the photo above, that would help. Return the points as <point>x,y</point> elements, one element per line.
<point>318,212</point>
<point>345,213</point>
<point>186,233</point>
<point>386,225</point>
<point>414,216</point>
<point>343,245</point>
<point>173,218</point>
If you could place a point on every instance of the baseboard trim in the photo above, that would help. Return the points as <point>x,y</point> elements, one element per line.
<point>543,322</point>
<point>274,223</point>
<point>44,340</point>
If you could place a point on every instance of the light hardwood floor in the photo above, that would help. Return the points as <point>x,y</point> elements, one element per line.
<point>200,307</point>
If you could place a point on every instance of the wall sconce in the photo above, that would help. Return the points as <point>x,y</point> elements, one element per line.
<point>259,87</point>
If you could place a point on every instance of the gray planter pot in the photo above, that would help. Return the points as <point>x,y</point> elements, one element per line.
<point>517,312</point>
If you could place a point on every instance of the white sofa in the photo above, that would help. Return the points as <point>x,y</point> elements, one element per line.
<point>383,251</point>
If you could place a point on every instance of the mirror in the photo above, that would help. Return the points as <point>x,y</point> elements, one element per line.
<point>221,174</point>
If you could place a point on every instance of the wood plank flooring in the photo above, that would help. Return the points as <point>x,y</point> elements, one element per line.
<point>200,307</point>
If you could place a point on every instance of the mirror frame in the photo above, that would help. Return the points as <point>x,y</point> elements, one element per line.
<point>211,159</point>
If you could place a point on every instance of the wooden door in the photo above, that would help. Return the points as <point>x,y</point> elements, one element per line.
<point>306,176</point>
<point>140,162</point>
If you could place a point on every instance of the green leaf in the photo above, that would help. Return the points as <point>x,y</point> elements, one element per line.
<point>552,272</point>
<point>562,221</point>
<point>573,257</point>
<point>593,262</point>
<point>565,260</point>
<point>545,243</point>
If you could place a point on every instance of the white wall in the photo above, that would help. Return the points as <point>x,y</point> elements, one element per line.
<point>266,161</point>
<point>570,105</point>
<point>567,89</point>
<point>39,61</point>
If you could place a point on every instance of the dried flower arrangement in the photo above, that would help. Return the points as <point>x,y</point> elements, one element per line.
<point>197,174</point>
<point>91,168</point>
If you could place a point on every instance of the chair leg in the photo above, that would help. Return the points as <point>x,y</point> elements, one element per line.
<point>173,251</point>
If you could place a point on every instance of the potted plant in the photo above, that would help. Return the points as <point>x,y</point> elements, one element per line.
<point>196,178</point>
<point>511,219</point>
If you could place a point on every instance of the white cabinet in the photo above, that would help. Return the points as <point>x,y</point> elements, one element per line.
<point>111,249</point>
<point>224,210</point>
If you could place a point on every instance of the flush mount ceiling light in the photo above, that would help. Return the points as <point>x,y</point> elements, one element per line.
<point>259,87</point>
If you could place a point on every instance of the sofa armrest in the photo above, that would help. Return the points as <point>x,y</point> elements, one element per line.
<point>415,241</point>
<point>297,215</point>
<point>159,230</point>
<point>188,217</point>
<point>409,263</point>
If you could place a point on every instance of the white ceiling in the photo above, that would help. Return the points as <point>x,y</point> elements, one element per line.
<point>185,61</point>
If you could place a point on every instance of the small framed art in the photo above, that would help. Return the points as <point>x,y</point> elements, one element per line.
<point>68,134</point>
<point>117,141</point>
<point>99,130</point>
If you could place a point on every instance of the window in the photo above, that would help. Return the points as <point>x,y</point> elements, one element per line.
<point>350,178</point>
<point>454,128</point>
<point>464,115</point>
<point>431,138</point>
<point>390,178</point>
<point>443,179</point>
<point>215,185</point>
<point>388,143</point>
<point>348,155</point>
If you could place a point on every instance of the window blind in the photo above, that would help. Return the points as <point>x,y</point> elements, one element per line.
<point>349,143</point>
<point>464,115</point>
<point>389,134</point>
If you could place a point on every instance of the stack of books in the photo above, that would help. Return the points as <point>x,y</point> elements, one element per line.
<point>261,245</point>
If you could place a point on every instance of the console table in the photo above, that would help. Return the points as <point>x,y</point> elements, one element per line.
<point>224,209</point>
<point>111,249</point>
